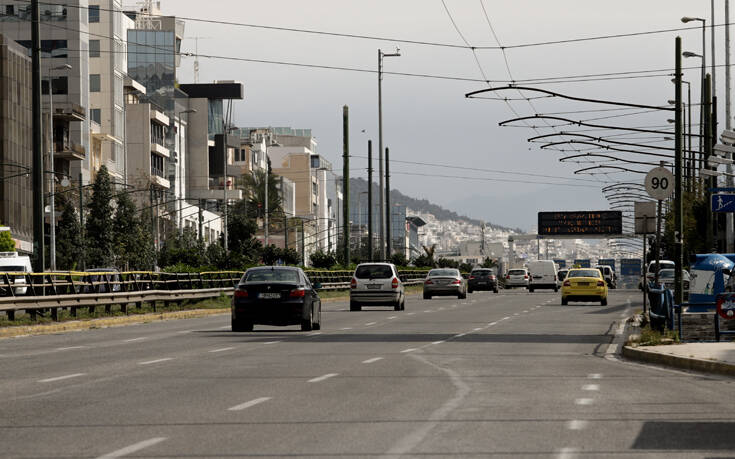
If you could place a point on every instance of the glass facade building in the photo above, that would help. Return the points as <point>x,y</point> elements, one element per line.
<point>152,62</point>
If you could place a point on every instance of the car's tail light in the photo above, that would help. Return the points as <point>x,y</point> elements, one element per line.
<point>241,293</point>
<point>457,282</point>
<point>600,283</point>
<point>491,278</point>
<point>428,282</point>
<point>567,284</point>
<point>353,283</point>
<point>394,283</point>
<point>472,277</point>
<point>525,276</point>
<point>507,276</point>
<point>297,293</point>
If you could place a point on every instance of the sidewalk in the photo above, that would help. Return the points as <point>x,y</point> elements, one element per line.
<point>717,358</point>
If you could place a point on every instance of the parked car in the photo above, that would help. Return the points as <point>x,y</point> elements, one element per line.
<point>482,279</point>
<point>445,281</point>
<point>651,272</point>
<point>542,274</point>
<point>376,284</point>
<point>516,278</point>
<point>584,284</point>
<point>609,274</point>
<point>666,277</point>
<point>276,295</point>
<point>11,262</point>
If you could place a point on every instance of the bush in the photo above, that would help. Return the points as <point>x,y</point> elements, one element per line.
<point>273,255</point>
<point>447,263</point>
<point>322,260</point>
<point>399,259</point>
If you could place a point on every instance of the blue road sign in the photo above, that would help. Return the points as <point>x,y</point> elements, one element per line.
<point>723,203</point>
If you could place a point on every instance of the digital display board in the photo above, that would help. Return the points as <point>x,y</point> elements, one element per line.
<point>583,223</point>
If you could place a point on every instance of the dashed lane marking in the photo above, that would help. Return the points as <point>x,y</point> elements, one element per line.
<point>576,424</point>
<point>346,328</point>
<point>373,360</point>
<point>370,323</point>
<point>314,334</point>
<point>132,340</point>
<point>225,327</point>
<point>583,401</point>
<point>408,350</point>
<point>392,317</point>
<point>133,448</point>
<point>150,362</point>
<point>591,387</point>
<point>69,348</point>
<point>410,313</point>
<point>222,350</point>
<point>272,342</point>
<point>61,378</point>
<point>567,453</point>
<point>438,342</point>
<point>246,405</point>
<point>477,329</point>
<point>594,376</point>
<point>323,377</point>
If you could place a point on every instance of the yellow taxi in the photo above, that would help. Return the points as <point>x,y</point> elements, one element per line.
<point>584,284</point>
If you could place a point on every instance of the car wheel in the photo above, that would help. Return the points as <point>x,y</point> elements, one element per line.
<point>397,306</point>
<point>556,289</point>
<point>469,290</point>
<point>427,296</point>
<point>403,303</point>
<point>239,326</point>
<point>306,323</point>
<point>603,301</point>
<point>355,306</point>
<point>530,289</point>
<point>496,290</point>
<point>564,302</point>
<point>318,324</point>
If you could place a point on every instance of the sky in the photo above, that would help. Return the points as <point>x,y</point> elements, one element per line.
<point>455,154</point>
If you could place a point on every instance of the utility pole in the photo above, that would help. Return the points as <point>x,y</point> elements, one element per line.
<point>81,222</point>
<point>265,216</point>
<point>303,251</point>
<point>370,200</point>
<point>707,109</point>
<point>381,55</point>
<point>388,234</point>
<point>38,207</point>
<point>678,190</point>
<point>730,218</point>
<point>346,183</point>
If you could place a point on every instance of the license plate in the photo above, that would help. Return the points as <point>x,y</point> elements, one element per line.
<point>374,286</point>
<point>481,283</point>
<point>269,295</point>
<point>537,277</point>
<point>583,284</point>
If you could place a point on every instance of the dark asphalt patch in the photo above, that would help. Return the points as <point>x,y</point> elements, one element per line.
<point>685,436</point>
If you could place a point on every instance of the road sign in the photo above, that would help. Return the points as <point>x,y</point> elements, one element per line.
<point>585,223</point>
<point>660,183</point>
<point>726,306</point>
<point>645,217</point>
<point>630,267</point>
<point>562,263</point>
<point>723,203</point>
<point>583,262</point>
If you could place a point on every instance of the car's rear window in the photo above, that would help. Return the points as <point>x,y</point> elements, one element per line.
<point>374,272</point>
<point>516,272</point>
<point>584,273</point>
<point>272,275</point>
<point>666,273</point>
<point>443,272</point>
<point>482,272</point>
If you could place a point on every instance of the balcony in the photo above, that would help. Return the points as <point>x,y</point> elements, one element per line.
<point>157,178</point>
<point>69,151</point>
<point>160,150</point>
<point>69,111</point>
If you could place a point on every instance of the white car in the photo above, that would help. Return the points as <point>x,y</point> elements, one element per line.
<point>516,278</point>
<point>11,262</point>
<point>377,284</point>
<point>651,272</point>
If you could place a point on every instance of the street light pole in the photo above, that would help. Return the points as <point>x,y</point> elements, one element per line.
<point>678,190</point>
<point>381,55</point>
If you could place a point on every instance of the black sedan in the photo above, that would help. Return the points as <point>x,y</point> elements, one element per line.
<point>482,279</point>
<point>276,295</point>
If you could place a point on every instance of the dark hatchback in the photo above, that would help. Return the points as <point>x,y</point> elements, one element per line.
<point>482,279</point>
<point>276,295</point>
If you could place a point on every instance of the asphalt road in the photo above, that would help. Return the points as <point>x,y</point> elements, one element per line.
<point>496,375</point>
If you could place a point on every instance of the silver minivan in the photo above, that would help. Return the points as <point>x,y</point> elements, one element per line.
<point>377,284</point>
<point>517,278</point>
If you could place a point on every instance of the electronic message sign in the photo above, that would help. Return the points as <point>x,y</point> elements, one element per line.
<point>580,224</point>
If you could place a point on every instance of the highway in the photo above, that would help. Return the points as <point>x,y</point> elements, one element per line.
<point>496,375</point>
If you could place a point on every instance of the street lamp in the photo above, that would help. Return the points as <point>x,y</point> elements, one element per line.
<point>381,55</point>
<point>52,184</point>
<point>180,160</point>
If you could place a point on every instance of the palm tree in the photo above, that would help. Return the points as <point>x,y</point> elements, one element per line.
<point>254,187</point>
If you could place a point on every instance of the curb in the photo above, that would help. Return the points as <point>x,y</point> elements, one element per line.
<point>675,361</point>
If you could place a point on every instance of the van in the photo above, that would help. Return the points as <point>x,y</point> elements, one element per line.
<point>542,274</point>
<point>11,262</point>
<point>609,274</point>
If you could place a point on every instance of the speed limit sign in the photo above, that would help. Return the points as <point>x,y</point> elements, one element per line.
<point>660,183</point>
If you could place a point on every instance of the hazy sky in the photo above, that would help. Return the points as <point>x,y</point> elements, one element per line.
<point>429,120</point>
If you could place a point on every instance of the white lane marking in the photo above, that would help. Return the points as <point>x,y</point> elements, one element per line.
<point>617,341</point>
<point>322,378</point>
<point>525,311</point>
<point>517,314</point>
<point>133,448</point>
<point>314,334</point>
<point>346,328</point>
<point>272,342</point>
<point>392,317</point>
<point>583,401</point>
<point>70,348</point>
<point>61,378</point>
<point>492,323</point>
<point>132,340</point>
<point>225,327</point>
<point>149,362</point>
<point>567,453</point>
<point>594,376</point>
<point>410,313</point>
<point>373,360</point>
<point>428,310</point>
<point>408,350</point>
<point>223,349</point>
<point>185,331</point>
<point>505,318</point>
<point>370,323</point>
<point>438,342</point>
<point>440,309</point>
<point>245,405</point>
<point>477,329</point>
<point>576,424</point>
<point>460,335</point>
<point>591,387</point>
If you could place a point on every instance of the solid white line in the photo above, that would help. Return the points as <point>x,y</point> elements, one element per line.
<point>346,328</point>
<point>594,376</point>
<point>408,350</point>
<point>60,378</point>
<point>576,425</point>
<point>155,361</point>
<point>370,323</point>
<point>225,327</point>
<point>271,342</point>
<point>132,448</point>
<point>583,401</point>
<point>373,360</point>
<point>314,334</point>
<point>591,387</point>
<point>223,349</point>
<point>322,378</point>
<point>134,339</point>
<point>245,405</point>
<point>70,348</point>
<point>438,342</point>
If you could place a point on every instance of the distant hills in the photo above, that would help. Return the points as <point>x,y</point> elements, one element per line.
<point>358,185</point>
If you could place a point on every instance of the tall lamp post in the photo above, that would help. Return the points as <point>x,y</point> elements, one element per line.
<point>381,55</point>
<point>52,182</point>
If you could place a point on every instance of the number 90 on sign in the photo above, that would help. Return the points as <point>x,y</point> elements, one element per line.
<point>660,183</point>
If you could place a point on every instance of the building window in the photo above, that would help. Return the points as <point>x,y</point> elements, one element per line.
<point>95,84</point>
<point>9,10</point>
<point>94,48</point>
<point>157,165</point>
<point>60,85</point>
<point>158,134</point>
<point>94,13</point>
<point>95,114</point>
